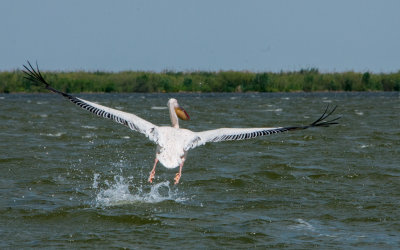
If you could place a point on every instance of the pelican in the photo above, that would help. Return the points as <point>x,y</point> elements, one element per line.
<point>173,142</point>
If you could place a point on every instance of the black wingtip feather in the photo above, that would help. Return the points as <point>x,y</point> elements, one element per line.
<point>36,76</point>
<point>321,121</point>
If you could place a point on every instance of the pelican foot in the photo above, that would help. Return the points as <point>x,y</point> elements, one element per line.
<point>177,177</point>
<point>151,177</point>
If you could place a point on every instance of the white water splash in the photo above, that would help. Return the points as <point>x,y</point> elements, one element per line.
<point>95,181</point>
<point>121,192</point>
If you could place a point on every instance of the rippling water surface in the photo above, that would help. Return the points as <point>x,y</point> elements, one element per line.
<point>70,179</point>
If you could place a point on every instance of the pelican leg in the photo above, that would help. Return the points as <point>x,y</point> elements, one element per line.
<point>153,171</point>
<point>179,174</point>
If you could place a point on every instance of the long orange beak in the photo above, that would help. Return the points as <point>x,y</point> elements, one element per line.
<point>181,113</point>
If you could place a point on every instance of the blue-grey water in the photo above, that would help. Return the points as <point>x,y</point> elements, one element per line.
<point>70,179</point>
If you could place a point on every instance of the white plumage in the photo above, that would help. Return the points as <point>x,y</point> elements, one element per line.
<point>172,145</point>
<point>173,142</point>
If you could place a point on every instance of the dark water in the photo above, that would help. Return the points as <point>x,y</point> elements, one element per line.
<point>70,179</point>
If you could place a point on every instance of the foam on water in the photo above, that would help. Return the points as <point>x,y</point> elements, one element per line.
<point>319,230</point>
<point>358,112</point>
<point>88,127</point>
<point>123,191</point>
<point>53,134</point>
<point>274,110</point>
<point>90,135</point>
<point>302,225</point>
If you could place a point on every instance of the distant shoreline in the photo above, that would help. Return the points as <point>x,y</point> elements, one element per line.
<point>196,92</point>
<point>307,80</point>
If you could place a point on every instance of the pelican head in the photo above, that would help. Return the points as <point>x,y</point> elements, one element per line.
<point>176,111</point>
<point>180,112</point>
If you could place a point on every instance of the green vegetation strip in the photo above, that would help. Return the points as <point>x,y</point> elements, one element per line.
<point>200,81</point>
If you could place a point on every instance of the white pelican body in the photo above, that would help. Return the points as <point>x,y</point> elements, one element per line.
<point>173,142</point>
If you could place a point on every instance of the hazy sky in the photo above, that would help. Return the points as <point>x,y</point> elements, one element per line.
<point>156,35</point>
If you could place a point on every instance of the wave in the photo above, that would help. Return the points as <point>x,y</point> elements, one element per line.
<point>302,225</point>
<point>274,110</point>
<point>53,134</point>
<point>88,127</point>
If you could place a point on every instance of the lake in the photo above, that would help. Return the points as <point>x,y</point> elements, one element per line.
<point>70,179</point>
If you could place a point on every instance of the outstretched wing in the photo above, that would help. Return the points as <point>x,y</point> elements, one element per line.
<point>130,120</point>
<point>231,134</point>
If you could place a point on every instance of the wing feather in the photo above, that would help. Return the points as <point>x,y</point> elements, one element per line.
<point>130,120</point>
<point>232,134</point>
